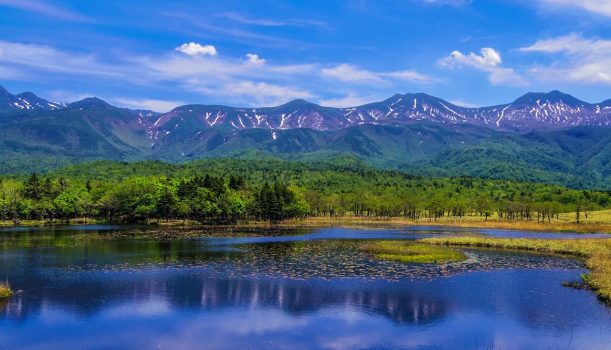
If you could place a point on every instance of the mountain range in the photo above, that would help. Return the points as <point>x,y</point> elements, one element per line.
<point>550,137</point>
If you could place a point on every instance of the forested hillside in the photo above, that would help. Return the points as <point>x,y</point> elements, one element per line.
<point>544,137</point>
<point>227,190</point>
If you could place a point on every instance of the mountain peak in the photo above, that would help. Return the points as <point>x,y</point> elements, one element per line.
<point>552,96</point>
<point>27,94</point>
<point>298,103</point>
<point>28,100</point>
<point>90,103</point>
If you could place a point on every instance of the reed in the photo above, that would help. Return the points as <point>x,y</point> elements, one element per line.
<point>597,253</point>
<point>466,222</point>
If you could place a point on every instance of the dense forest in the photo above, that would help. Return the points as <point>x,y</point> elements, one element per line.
<point>228,190</point>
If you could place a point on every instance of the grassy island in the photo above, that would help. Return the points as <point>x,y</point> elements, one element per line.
<point>409,252</point>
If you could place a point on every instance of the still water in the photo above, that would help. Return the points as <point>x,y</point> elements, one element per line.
<point>308,289</point>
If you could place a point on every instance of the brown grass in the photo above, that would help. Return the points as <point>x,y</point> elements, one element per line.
<point>597,222</point>
<point>466,222</point>
<point>597,253</point>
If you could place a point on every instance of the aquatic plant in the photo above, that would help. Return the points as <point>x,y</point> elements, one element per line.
<point>5,290</point>
<point>408,252</point>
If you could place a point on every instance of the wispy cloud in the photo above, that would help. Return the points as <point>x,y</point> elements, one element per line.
<point>259,93</point>
<point>602,7</point>
<point>489,61</point>
<point>350,73</point>
<point>44,8</point>
<point>265,22</point>
<point>463,103</point>
<point>586,60</point>
<point>146,104</point>
<point>198,27</point>
<point>65,96</point>
<point>30,59</point>
<point>411,76</point>
<point>195,68</point>
<point>349,100</point>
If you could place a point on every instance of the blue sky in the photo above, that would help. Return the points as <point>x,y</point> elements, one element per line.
<point>159,54</point>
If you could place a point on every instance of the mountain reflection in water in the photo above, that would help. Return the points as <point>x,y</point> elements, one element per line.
<point>282,293</point>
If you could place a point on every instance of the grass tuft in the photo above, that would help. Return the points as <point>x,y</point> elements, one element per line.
<point>409,252</point>
<point>5,290</point>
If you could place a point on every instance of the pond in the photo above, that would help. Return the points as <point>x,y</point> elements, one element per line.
<point>304,289</point>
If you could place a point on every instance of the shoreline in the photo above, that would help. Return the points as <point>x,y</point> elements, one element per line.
<point>352,221</point>
<point>596,253</point>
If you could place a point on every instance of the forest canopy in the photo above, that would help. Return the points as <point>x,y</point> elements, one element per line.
<point>228,190</point>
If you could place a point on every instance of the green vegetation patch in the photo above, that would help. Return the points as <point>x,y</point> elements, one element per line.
<point>407,252</point>
<point>596,251</point>
<point>5,290</point>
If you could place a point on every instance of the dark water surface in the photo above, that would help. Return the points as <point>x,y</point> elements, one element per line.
<point>301,290</point>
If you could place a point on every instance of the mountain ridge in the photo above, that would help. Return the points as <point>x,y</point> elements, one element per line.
<point>532,110</point>
<point>551,136</point>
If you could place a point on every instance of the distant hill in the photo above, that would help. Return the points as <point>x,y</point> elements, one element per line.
<point>551,137</point>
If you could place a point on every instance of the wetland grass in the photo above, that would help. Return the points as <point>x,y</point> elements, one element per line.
<point>408,252</point>
<point>596,252</point>
<point>5,290</point>
<point>596,222</point>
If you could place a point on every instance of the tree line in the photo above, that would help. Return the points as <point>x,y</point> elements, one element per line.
<point>138,199</point>
<point>230,191</point>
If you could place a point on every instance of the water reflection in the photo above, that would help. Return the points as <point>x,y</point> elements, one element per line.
<point>282,293</point>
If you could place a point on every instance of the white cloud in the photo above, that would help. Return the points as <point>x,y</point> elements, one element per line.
<point>264,22</point>
<point>586,61</point>
<point>350,100</point>
<point>488,58</point>
<point>412,76</point>
<point>30,59</point>
<point>602,7</point>
<point>571,44</point>
<point>489,61</point>
<point>253,58</point>
<point>350,73</point>
<point>259,93</point>
<point>149,104</point>
<point>249,81</point>
<point>196,49</point>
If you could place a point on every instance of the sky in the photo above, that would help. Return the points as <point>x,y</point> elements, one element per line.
<point>161,54</point>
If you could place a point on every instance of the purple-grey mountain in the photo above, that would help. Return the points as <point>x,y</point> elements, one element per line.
<point>531,111</point>
<point>540,136</point>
